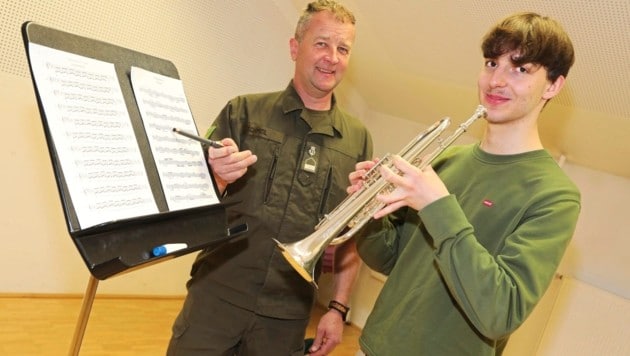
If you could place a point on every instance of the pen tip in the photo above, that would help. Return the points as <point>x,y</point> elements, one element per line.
<point>175,129</point>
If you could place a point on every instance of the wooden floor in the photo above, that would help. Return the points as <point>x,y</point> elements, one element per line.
<point>116,326</point>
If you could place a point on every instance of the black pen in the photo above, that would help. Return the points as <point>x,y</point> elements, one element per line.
<point>215,144</point>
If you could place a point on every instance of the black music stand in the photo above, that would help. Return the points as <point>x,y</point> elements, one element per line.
<point>122,246</point>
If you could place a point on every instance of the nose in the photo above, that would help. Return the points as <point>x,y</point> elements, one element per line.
<point>332,56</point>
<point>497,78</point>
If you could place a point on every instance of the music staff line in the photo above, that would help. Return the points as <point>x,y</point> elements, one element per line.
<point>158,94</point>
<point>66,71</point>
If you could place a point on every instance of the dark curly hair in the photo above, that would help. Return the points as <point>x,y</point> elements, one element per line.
<point>535,38</point>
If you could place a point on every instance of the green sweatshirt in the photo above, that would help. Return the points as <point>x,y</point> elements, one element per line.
<point>468,269</point>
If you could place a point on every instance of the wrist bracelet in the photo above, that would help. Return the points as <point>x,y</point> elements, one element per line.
<point>342,309</point>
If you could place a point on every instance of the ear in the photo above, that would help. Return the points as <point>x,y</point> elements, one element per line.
<point>293,47</point>
<point>554,88</point>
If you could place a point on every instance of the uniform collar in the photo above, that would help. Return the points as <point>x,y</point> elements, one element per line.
<point>332,122</point>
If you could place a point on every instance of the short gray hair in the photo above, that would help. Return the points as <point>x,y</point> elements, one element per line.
<point>341,13</point>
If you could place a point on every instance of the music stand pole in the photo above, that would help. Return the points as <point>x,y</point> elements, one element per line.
<point>86,307</point>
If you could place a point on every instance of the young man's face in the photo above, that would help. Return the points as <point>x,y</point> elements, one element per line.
<point>322,56</point>
<point>512,92</point>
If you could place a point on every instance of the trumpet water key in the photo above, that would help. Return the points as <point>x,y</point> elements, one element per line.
<point>358,208</point>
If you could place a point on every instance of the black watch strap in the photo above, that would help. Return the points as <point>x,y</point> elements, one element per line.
<point>342,309</point>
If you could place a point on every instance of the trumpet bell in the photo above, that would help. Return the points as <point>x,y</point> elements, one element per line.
<point>304,266</point>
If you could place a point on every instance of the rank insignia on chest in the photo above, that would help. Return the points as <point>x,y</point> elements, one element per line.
<point>310,158</point>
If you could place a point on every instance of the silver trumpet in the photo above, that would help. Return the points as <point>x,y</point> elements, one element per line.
<point>358,208</point>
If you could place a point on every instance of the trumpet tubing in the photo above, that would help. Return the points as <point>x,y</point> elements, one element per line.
<point>358,208</point>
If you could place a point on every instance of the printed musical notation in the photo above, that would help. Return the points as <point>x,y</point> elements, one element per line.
<point>93,137</point>
<point>180,161</point>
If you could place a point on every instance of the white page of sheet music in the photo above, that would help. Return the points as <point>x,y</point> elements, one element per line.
<point>180,160</point>
<point>93,136</point>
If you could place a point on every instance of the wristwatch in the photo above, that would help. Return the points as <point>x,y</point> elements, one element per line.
<point>342,309</point>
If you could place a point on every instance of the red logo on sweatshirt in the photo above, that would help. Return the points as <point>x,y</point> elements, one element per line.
<point>488,203</point>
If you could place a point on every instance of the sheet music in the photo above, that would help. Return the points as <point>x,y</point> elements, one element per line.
<point>92,135</point>
<point>180,161</point>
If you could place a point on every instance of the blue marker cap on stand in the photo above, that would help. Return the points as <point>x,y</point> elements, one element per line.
<point>167,248</point>
<point>159,251</point>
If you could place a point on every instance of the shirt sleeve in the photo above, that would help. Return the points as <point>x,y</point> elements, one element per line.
<point>377,243</point>
<point>222,125</point>
<point>497,290</point>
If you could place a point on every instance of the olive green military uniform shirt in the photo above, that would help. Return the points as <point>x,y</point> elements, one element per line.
<point>304,158</point>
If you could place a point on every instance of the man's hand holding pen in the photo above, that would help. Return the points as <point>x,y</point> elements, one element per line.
<point>228,163</point>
